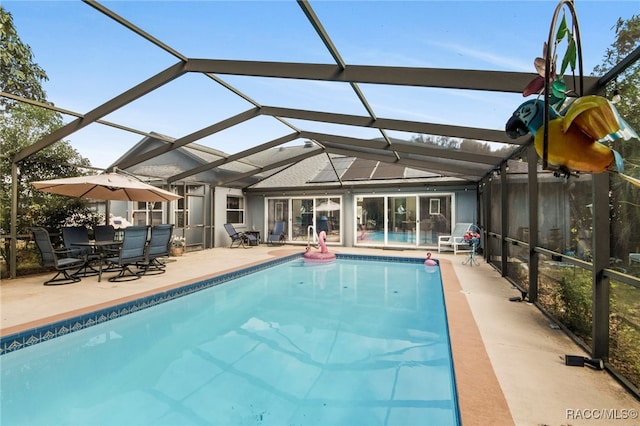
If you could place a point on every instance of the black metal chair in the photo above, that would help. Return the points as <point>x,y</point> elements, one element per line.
<point>158,247</point>
<point>76,234</point>
<point>106,233</point>
<point>57,258</point>
<point>239,238</point>
<point>277,236</point>
<point>130,254</point>
<point>71,236</point>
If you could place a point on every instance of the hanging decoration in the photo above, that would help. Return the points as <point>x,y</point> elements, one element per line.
<point>571,131</point>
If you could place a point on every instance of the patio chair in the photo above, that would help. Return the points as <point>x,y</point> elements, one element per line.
<point>76,234</point>
<point>130,254</point>
<point>277,236</point>
<point>322,224</point>
<point>456,240</point>
<point>239,238</point>
<point>57,258</point>
<point>158,247</point>
<point>106,233</point>
<point>73,236</point>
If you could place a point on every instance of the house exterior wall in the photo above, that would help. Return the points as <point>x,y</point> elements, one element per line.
<point>220,236</point>
<point>255,215</point>
<point>465,206</point>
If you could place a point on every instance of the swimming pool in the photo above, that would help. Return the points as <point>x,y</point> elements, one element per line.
<point>350,342</point>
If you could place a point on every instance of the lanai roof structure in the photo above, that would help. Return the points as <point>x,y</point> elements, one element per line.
<point>358,125</point>
<point>259,96</point>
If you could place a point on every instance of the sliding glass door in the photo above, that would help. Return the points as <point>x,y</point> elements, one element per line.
<point>402,220</point>
<point>304,215</point>
<point>402,216</point>
<point>435,217</point>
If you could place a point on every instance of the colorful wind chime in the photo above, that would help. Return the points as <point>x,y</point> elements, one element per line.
<point>571,131</point>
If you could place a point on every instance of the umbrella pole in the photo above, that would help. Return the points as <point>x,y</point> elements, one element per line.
<point>107,212</point>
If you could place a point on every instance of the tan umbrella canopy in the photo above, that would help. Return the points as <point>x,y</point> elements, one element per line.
<point>106,186</point>
<point>327,206</point>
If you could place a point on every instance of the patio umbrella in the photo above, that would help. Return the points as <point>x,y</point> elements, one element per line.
<point>327,206</point>
<point>106,186</point>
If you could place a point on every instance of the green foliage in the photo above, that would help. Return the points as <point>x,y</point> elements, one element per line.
<point>22,125</point>
<point>628,82</point>
<point>19,128</point>
<point>625,198</point>
<point>624,355</point>
<point>19,75</point>
<point>624,330</point>
<point>575,296</point>
<point>467,145</point>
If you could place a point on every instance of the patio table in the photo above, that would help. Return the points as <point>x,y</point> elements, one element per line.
<point>99,248</point>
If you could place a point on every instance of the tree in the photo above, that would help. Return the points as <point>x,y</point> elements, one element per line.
<point>625,198</point>
<point>19,75</point>
<point>627,84</point>
<point>23,126</point>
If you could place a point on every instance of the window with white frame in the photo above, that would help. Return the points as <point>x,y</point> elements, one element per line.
<point>147,213</point>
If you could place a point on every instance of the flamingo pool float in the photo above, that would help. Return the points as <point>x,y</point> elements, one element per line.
<point>430,262</point>
<point>323,255</point>
<point>430,265</point>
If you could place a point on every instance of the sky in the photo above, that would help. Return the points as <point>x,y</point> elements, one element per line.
<point>90,59</point>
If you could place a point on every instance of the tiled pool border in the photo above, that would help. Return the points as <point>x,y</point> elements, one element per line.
<point>14,342</point>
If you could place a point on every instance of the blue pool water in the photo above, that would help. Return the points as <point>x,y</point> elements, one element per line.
<point>392,237</point>
<point>353,342</point>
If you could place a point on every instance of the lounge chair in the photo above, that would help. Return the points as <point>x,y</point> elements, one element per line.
<point>456,240</point>
<point>277,236</point>
<point>59,259</point>
<point>158,247</point>
<point>239,238</point>
<point>130,254</point>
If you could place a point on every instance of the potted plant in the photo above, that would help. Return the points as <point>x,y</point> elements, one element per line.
<point>177,245</point>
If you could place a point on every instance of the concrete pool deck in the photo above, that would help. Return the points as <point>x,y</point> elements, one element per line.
<point>509,361</point>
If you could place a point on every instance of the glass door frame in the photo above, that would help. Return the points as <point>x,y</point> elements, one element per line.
<point>399,206</point>
<point>300,213</point>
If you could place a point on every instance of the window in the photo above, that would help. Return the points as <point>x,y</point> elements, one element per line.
<point>235,209</point>
<point>434,206</point>
<point>180,210</point>
<point>147,213</point>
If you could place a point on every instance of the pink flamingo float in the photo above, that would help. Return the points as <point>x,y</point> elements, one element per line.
<point>430,264</point>
<point>319,256</point>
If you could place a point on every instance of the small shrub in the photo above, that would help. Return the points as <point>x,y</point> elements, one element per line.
<point>576,294</point>
<point>623,348</point>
